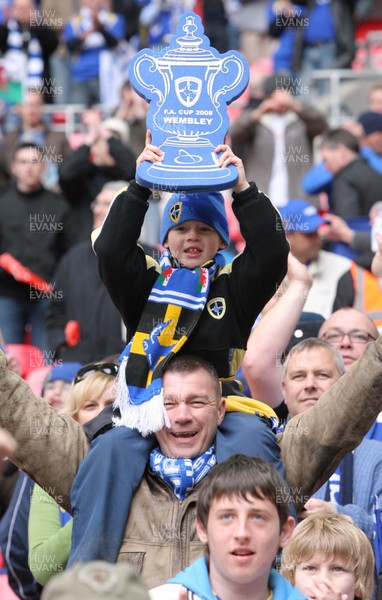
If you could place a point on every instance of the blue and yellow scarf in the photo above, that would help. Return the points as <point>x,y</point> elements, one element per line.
<point>172,311</point>
<point>182,474</point>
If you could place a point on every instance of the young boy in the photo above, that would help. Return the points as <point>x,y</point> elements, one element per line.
<point>243,519</point>
<point>191,302</point>
<point>329,558</point>
<point>216,322</point>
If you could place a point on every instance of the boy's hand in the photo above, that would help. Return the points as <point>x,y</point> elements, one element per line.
<point>229,158</point>
<point>150,152</point>
<point>324,589</point>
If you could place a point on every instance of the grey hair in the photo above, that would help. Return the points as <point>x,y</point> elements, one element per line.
<point>310,343</point>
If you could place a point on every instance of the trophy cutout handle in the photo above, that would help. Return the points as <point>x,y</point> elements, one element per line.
<point>142,86</point>
<point>225,69</point>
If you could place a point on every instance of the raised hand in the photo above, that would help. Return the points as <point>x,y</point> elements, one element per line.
<point>229,158</point>
<point>323,589</point>
<point>297,272</point>
<point>314,506</point>
<point>150,152</point>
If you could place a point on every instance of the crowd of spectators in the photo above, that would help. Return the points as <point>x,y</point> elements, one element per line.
<point>71,130</point>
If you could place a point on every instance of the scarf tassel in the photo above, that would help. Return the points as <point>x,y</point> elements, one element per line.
<point>148,417</point>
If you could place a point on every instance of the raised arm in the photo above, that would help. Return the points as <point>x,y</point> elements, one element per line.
<point>259,269</point>
<point>50,446</point>
<point>262,366</point>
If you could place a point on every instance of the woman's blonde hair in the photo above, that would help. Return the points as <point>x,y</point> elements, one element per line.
<point>93,386</point>
<point>331,536</point>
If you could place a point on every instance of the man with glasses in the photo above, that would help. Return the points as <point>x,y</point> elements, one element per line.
<point>348,330</point>
<point>356,337</point>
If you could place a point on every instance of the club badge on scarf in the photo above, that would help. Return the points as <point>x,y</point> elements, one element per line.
<point>172,310</point>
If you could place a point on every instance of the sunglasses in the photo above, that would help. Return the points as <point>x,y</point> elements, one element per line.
<point>107,368</point>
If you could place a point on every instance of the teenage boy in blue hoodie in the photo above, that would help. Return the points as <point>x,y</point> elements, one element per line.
<point>242,517</point>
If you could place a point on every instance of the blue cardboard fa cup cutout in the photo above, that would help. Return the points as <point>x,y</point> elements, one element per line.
<point>188,85</point>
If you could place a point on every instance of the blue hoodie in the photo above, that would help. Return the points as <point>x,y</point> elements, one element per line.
<point>195,578</point>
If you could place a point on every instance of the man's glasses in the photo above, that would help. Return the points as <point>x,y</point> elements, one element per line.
<point>357,336</point>
<point>107,368</point>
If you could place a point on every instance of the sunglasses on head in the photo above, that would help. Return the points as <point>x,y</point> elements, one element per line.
<point>107,368</point>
